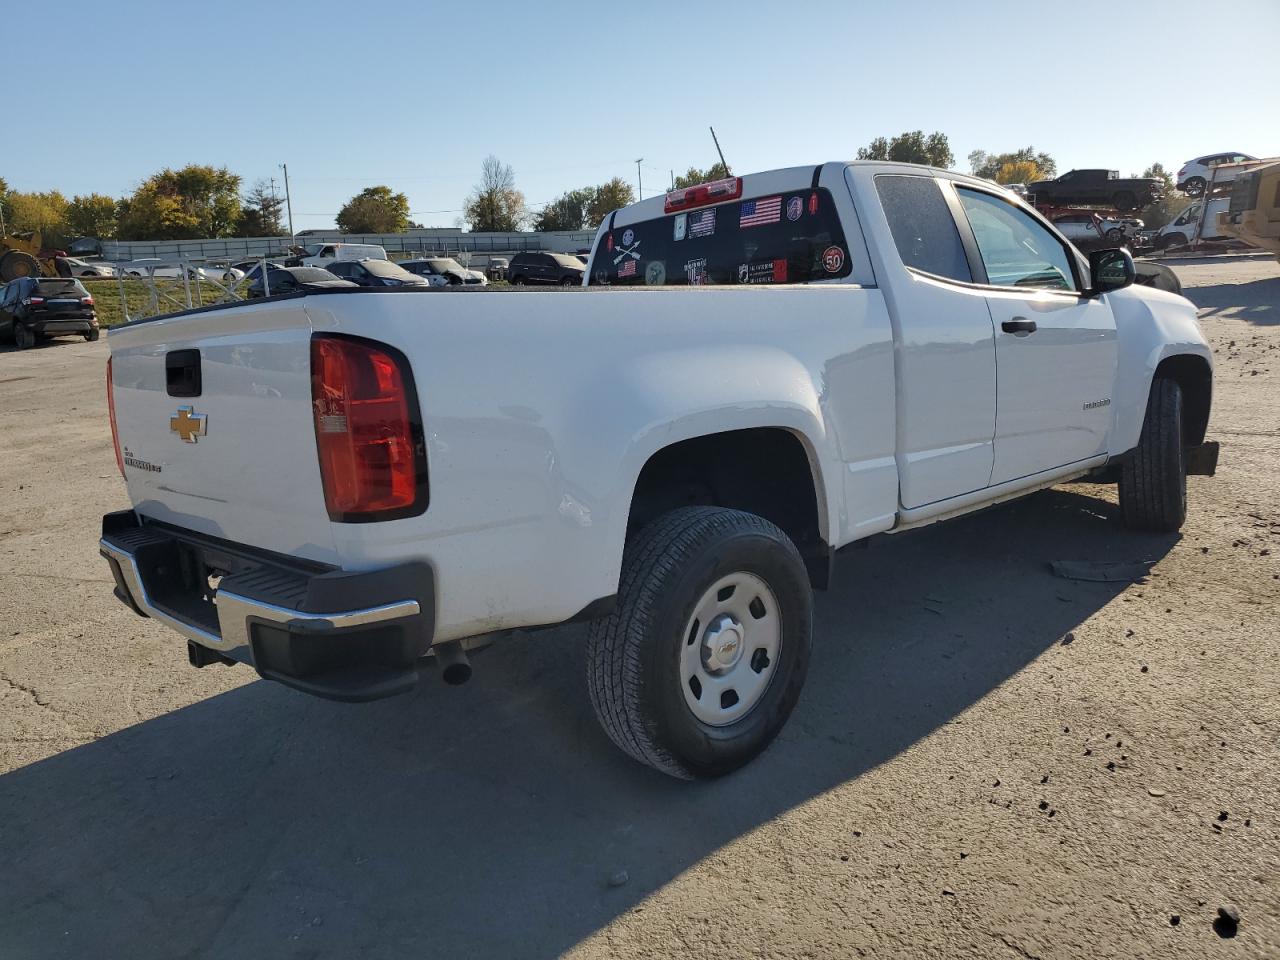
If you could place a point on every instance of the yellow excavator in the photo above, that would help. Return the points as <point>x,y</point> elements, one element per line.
<point>23,255</point>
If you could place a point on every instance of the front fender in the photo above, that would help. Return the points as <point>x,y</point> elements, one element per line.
<point>1151,326</point>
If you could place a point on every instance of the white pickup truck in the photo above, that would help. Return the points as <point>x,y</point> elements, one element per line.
<point>339,487</point>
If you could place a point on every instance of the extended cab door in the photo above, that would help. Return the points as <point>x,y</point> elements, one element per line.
<point>946,366</point>
<point>1055,347</point>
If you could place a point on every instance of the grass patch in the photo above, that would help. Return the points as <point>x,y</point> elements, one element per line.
<point>111,306</point>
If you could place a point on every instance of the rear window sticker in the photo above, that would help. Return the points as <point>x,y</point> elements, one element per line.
<point>628,269</point>
<point>702,223</point>
<point>655,274</point>
<point>832,259</point>
<point>795,208</point>
<point>763,271</point>
<point>696,272</point>
<point>759,213</point>
<point>631,250</point>
<point>628,237</point>
<point>813,204</point>
<point>681,226</point>
<point>610,243</point>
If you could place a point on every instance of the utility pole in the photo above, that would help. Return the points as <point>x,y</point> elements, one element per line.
<point>639,180</point>
<point>718,150</point>
<point>288,200</point>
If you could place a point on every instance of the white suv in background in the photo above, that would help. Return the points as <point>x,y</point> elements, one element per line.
<point>1195,174</point>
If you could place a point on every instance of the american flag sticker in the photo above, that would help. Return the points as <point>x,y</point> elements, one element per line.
<point>702,223</point>
<point>756,213</point>
<point>628,269</point>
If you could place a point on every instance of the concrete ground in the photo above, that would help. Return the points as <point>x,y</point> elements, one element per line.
<point>988,760</point>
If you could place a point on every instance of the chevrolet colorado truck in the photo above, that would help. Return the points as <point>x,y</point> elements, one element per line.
<point>339,487</point>
<point>1096,187</point>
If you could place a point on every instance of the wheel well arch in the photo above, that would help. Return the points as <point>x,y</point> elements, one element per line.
<point>1194,376</point>
<point>767,471</point>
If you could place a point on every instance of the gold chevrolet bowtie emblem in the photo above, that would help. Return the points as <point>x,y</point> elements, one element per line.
<point>188,424</point>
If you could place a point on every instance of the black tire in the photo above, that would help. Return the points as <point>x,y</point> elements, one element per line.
<point>1115,235</point>
<point>1194,187</point>
<point>566,281</point>
<point>517,281</point>
<point>92,335</point>
<point>634,655</point>
<point>1153,481</point>
<point>23,336</point>
<point>1124,201</point>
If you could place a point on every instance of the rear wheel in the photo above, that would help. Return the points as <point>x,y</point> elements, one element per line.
<point>517,281</point>
<point>1115,235</point>
<point>1124,200</point>
<point>92,335</point>
<point>1194,186</point>
<point>1153,481</point>
<point>701,662</point>
<point>23,336</point>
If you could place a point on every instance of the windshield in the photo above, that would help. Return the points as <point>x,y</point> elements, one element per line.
<point>444,264</point>
<point>385,268</point>
<point>313,249</point>
<point>310,274</point>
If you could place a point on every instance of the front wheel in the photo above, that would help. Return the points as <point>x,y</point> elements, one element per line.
<point>1124,201</point>
<point>1194,187</point>
<point>1153,481</point>
<point>702,660</point>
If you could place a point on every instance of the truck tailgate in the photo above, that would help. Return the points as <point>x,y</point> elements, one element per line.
<point>236,457</point>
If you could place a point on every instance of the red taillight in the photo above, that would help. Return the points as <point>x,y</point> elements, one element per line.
<point>111,412</point>
<point>703,194</point>
<point>35,301</point>
<point>372,458</point>
<point>87,300</point>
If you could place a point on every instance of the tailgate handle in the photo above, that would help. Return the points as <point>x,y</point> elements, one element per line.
<point>182,373</point>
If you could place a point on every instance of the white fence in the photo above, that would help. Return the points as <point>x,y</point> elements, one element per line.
<point>418,241</point>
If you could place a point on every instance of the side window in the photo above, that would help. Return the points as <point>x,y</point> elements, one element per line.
<point>1017,250</point>
<point>923,229</point>
<point>326,252</point>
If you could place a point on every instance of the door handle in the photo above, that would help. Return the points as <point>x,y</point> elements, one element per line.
<point>1019,326</point>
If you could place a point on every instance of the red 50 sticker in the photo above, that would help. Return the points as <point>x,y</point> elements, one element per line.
<point>832,259</point>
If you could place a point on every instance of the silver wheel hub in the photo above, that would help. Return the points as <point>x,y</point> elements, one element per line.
<point>730,648</point>
<point>722,644</point>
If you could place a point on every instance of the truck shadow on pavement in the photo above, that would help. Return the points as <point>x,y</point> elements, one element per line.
<point>487,821</point>
<point>1257,301</point>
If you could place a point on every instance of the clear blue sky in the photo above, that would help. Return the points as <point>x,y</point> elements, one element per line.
<point>416,94</point>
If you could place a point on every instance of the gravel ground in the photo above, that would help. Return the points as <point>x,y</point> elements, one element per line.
<point>988,760</point>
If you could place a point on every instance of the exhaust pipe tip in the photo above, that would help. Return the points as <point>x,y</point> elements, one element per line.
<point>455,666</point>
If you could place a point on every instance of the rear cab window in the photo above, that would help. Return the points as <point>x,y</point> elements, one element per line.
<point>52,289</point>
<point>923,228</point>
<point>788,237</point>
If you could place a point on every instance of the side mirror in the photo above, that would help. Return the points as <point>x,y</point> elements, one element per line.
<point>1111,270</point>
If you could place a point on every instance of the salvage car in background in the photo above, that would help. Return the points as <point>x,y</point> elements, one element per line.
<point>1102,187</point>
<point>546,269</point>
<point>168,269</point>
<point>34,308</point>
<point>444,271</point>
<point>87,268</point>
<point>377,273</point>
<point>1196,174</point>
<point>282,280</point>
